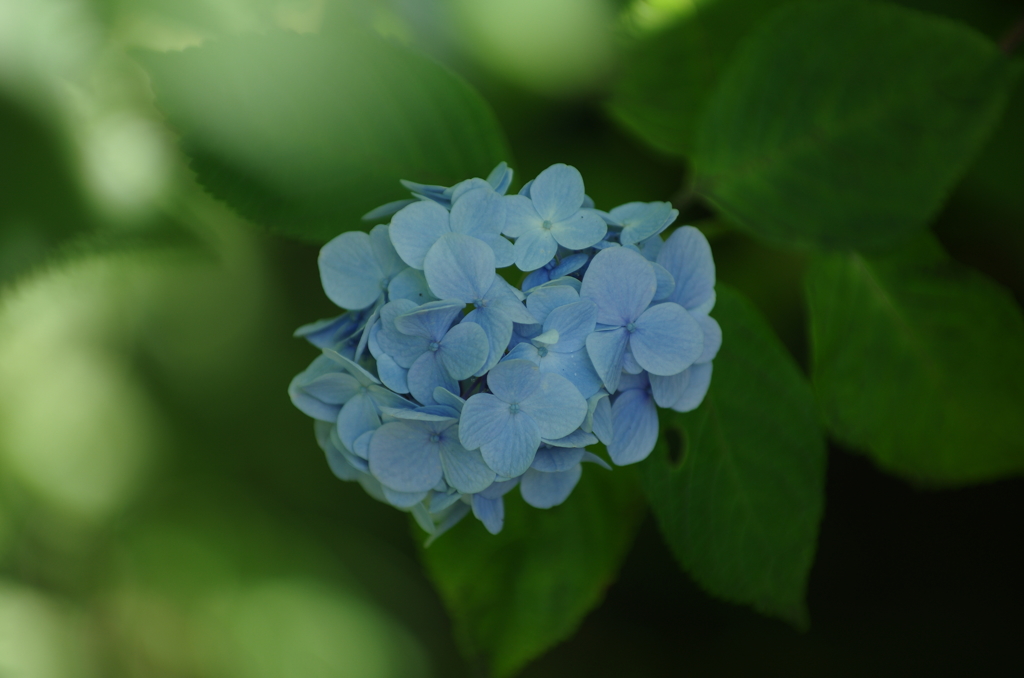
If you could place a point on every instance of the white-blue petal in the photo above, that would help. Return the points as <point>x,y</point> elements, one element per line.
<point>504,298</point>
<point>520,216</point>
<point>666,340</point>
<point>545,490</point>
<point>356,417</point>
<point>712,338</point>
<point>403,458</point>
<point>490,512</point>
<point>557,192</point>
<point>463,350</point>
<point>574,323</point>
<point>547,298</point>
<point>480,212</point>
<point>416,228</point>
<point>387,209</point>
<point>513,381</point>
<point>580,231</point>
<point>426,374</point>
<point>497,327</point>
<point>463,469</point>
<point>411,285</point>
<point>621,283</point>
<point>534,248</point>
<point>556,406</point>
<point>349,271</point>
<point>506,441</point>
<point>667,391</point>
<point>606,350</point>
<point>429,321</point>
<point>642,220</point>
<point>635,424</point>
<point>556,459</point>
<point>696,389</point>
<point>687,256</point>
<point>666,283</point>
<point>576,367</point>
<point>459,267</point>
<point>578,438</point>
<point>443,396</point>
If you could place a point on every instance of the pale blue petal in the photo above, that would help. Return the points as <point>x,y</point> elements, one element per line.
<point>333,388</point>
<point>483,417</point>
<point>380,241</point>
<point>576,367</point>
<point>403,348</point>
<point>667,339</point>
<point>638,380</point>
<point>545,490</point>
<point>429,321</point>
<point>525,190</point>
<point>606,351</point>
<point>570,264</point>
<point>592,403</point>
<point>326,333</point>
<point>565,281</point>
<point>402,500</point>
<point>696,389</point>
<point>523,333</point>
<point>629,364</point>
<point>542,300</point>
<point>383,397</point>
<point>621,283</point>
<point>307,404</point>
<point>556,406</point>
<point>666,283</point>
<point>712,338</point>
<point>439,501</point>
<point>426,374</point>
<point>410,285</point>
<point>534,248</point>
<point>650,247</point>
<point>507,441</point>
<point>464,470</point>
<point>339,465</point>
<point>392,374</point>
<point>360,449</point>
<point>499,488</point>
<point>416,228</point>
<point>387,209</point>
<point>424,189</point>
<point>667,391</point>
<point>463,350</point>
<point>557,459</point>
<point>364,336</point>
<point>479,213</point>
<point>456,192</point>
<point>578,438</point>
<point>642,220</point>
<point>635,424</point>
<point>490,512</point>
<point>403,458</point>
<point>500,178</point>
<point>356,417</point>
<point>451,518</point>
<point>557,192</point>
<point>498,329</point>
<point>574,323</point>
<point>580,231</point>
<point>361,375</point>
<point>687,256</point>
<point>545,339</point>
<point>533,278</point>
<point>520,216</point>
<point>443,396</point>
<point>602,425</point>
<point>524,351</point>
<point>459,267</point>
<point>588,202</point>
<point>504,251</point>
<point>349,271</point>
<point>594,459</point>
<point>513,381</point>
<point>503,298</point>
<point>438,417</point>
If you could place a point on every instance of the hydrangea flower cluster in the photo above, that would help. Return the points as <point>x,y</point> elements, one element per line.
<point>443,386</point>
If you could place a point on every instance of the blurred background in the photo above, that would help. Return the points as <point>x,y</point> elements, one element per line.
<point>165,511</point>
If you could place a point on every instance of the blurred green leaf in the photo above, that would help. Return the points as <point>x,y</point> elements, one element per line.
<point>741,509</point>
<point>810,139</point>
<point>514,595</point>
<point>919,361</point>
<point>306,133</point>
<point>666,77</point>
<point>41,204</point>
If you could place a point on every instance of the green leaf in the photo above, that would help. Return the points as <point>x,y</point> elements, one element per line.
<point>919,361</point>
<point>514,595</point>
<point>741,511</point>
<point>845,124</point>
<point>665,79</point>
<point>306,133</point>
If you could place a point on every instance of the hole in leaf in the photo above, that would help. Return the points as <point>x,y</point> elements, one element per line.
<point>676,445</point>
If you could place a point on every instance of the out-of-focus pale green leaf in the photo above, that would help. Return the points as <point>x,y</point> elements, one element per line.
<point>666,77</point>
<point>812,139</point>
<point>305,133</point>
<point>741,509</point>
<point>919,361</point>
<point>514,595</point>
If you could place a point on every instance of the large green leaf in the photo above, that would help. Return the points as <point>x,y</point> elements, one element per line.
<point>919,361</point>
<point>666,78</point>
<point>306,133</point>
<point>846,123</point>
<point>514,595</point>
<point>741,510</point>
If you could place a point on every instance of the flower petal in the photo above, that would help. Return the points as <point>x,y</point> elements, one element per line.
<point>534,248</point>
<point>641,220</point>
<point>557,459</point>
<point>635,423</point>
<point>426,374</point>
<point>520,216</point>
<point>387,209</point>
<point>578,438</point>
<point>687,256</point>
<point>506,441</point>
<point>547,298</point>
<point>621,283</point>
<point>412,285</point>
<point>606,350</point>
<point>387,258</point>
<point>576,367</point>
<point>545,490</point>
<point>430,320</point>
<point>402,500</point>
<point>464,470</point>
<point>416,228</point>
<point>349,271</point>
<point>668,390</point>
<point>403,458</point>
<point>556,406</point>
<point>459,267</point>
<point>504,298</point>
<point>500,177</point>
<point>497,327</point>
<point>513,381</point>
<point>666,283</point>
<point>666,340</point>
<point>490,512</point>
<point>696,389</point>
<point>463,350</point>
<point>557,192</point>
<point>580,231</point>
<point>403,348</point>
<point>712,338</point>
<point>443,396</point>
<point>479,212</point>
<point>356,417</point>
<point>574,323</point>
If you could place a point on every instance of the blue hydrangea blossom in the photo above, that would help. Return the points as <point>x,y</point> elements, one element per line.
<point>442,387</point>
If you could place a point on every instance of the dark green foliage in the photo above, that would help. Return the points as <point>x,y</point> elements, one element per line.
<point>844,124</point>
<point>919,361</point>
<point>667,78</point>
<point>741,510</point>
<point>304,134</point>
<point>514,595</point>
